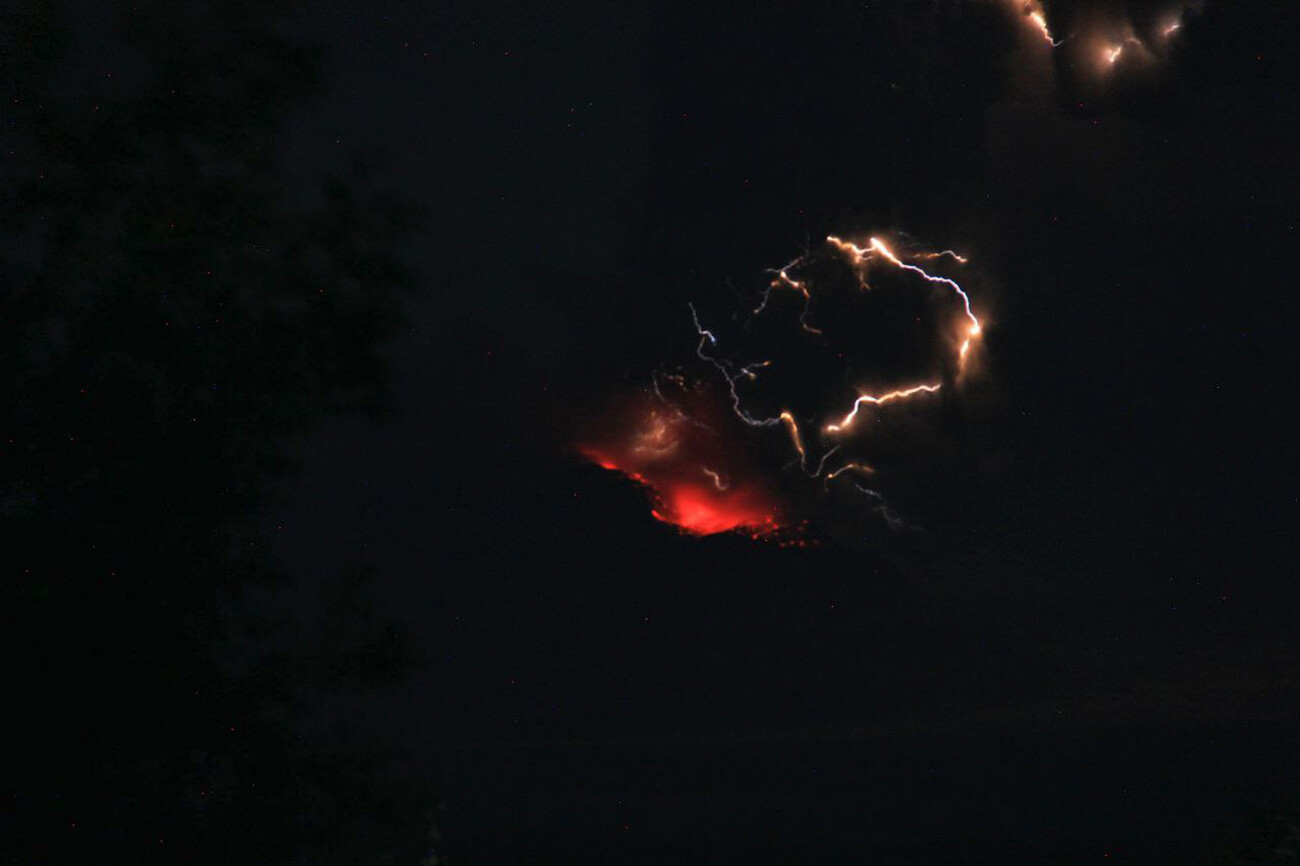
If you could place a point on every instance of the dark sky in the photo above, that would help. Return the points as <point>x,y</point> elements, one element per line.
<point>1089,653</point>
<point>1091,650</point>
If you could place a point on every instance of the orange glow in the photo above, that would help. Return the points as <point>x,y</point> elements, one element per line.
<point>695,507</point>
<point>698,511</point>
<point>1033,12</point>
<point>1041,23</point>
<point>1112,53</point>
<point>688,473</point>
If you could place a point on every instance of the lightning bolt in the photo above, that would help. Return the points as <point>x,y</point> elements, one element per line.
<point>859,468</point>
<point>821,464</point>
<point>707,338</point>
<point>781,278</point>
<point>861,256</point>
<point>901,394</point>
<point>716,478</point>
<point>880,506</point>
<point>795,438</point>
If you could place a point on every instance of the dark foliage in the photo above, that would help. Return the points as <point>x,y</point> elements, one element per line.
<point>171,312</point>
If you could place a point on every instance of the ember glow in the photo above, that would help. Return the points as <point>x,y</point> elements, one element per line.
<point>684,467</point>
<point>707,448</point>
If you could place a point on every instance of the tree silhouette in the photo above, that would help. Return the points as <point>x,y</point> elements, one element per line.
<point>172,311</point>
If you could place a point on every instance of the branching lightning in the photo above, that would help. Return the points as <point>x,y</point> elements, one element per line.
<point>681,445</point>
<point>707,338</point>
<point>861,259</point>
<point>782,279</point>
<point>692,448</point>
<point>861,256</point>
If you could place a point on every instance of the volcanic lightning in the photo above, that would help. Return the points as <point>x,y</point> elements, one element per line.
<point>686,456</point>
<point>861,255</point>
<point>705,446</point>
<point>795,438</point>
<point>783,279</point>
<point>901,394</point>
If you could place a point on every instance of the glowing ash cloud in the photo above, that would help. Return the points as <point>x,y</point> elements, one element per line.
<point>1033,12</point>
<point>1112,53</point>
<point>663,449</point>
<point>1107,37</point>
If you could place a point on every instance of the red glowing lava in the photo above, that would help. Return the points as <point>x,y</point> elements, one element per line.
<point>701,509</point>
<point>692,483</point>
<point>697,510</point>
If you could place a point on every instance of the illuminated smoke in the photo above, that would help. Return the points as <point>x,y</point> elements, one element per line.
<point>1033,12</point>
<point>685,464</point>
<point>1111,38</point>
<point>1112,53</point>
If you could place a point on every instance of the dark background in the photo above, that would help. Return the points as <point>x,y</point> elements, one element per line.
<point>319,581</point>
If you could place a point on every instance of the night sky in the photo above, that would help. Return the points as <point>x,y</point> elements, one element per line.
<point>1080,646</point>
